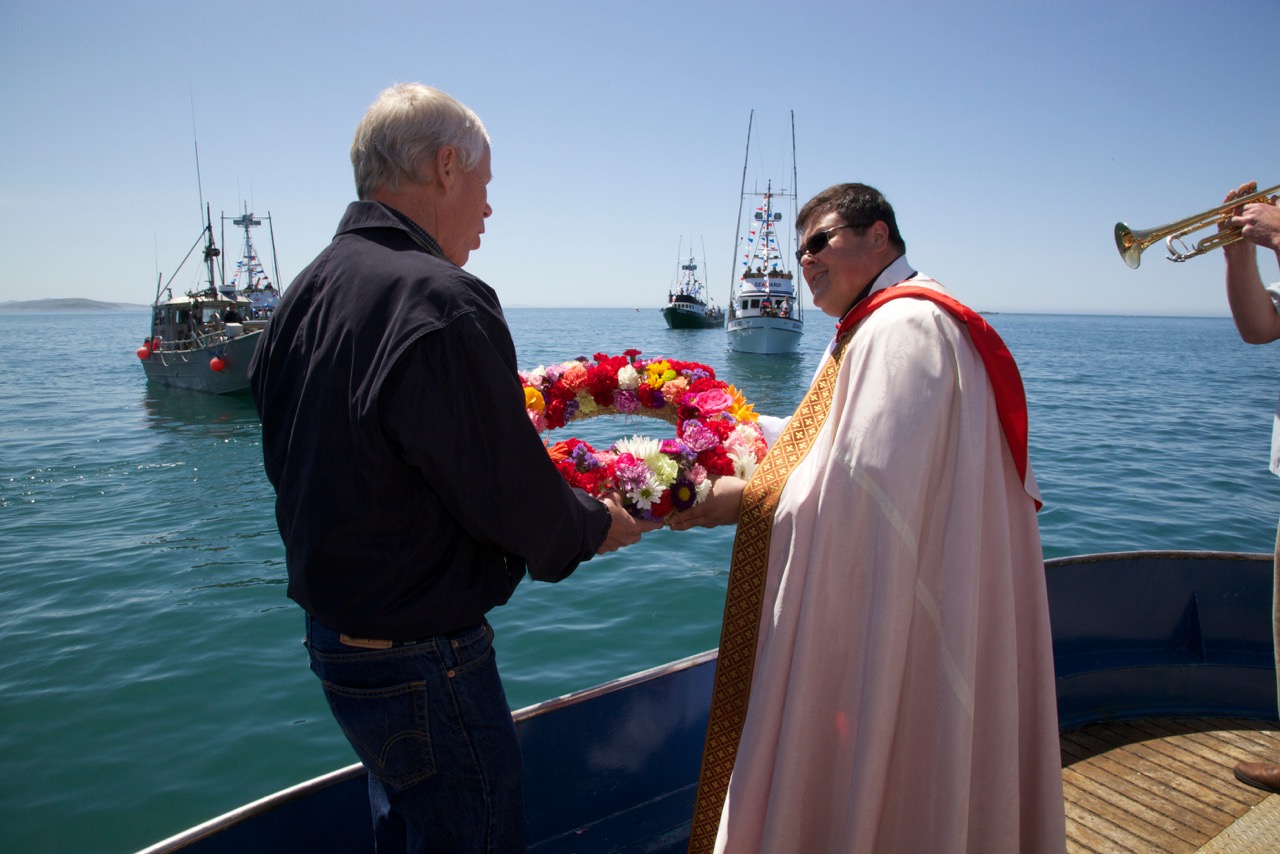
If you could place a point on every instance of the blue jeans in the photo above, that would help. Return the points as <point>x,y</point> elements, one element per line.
<point>430,722</point>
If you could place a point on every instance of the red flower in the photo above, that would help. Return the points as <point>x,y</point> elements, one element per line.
<point>554,414</point>
<point>650,397</point>
<point>560,391</point>
<point>594,482</point>
<point>716,461</point>
<point>681,367</point>
<point>602,378</point>
<point>662,507</point>
<point>704,384</point>
<point>720,426</point>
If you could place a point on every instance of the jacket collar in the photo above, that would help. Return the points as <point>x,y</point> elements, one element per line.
<point>361,215</point>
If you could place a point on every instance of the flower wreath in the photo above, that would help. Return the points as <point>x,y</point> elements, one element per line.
<point>716,429</point>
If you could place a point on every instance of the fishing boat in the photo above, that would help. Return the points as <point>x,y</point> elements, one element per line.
<point>765,311</point>
<point>689,306</point>
<point>1165,678</point>
<point>202,340</point>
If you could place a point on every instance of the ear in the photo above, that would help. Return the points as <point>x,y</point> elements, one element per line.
<point>446,166</point>
<point>880,234</point>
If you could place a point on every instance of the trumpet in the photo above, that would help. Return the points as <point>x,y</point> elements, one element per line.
<point>1131,243</point>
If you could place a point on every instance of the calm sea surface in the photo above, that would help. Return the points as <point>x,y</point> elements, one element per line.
<point>152,674</point>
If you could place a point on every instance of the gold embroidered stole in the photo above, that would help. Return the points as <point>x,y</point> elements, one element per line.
<point>744,600</point>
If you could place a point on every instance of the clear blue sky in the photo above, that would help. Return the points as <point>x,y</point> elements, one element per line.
<point>1009,136</point>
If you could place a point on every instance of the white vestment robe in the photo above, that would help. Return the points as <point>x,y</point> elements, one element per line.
<point>903,691</point>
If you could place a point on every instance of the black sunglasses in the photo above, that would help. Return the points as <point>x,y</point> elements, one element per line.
<point>819,241</point>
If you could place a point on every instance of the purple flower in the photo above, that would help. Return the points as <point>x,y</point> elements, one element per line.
<point>683,493</point>
<point>583,459</point>
<point>678,450</point>
<point>626,401</point>
<point>630,473</point>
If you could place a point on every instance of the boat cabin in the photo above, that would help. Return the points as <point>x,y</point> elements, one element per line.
<point>193,322</point>
<point>768,293</point>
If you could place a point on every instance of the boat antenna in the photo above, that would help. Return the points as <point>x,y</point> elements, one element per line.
<point>794,180</point>
<point>195,141</point>
<point>737,235</point>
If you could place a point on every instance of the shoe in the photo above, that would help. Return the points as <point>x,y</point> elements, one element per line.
<point>1260,775</point>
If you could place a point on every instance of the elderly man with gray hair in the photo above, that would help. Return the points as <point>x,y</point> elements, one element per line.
<point>412,492</point>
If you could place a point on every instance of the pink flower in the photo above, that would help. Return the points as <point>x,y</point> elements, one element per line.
<point>698,437</point>
<point>711,402</point>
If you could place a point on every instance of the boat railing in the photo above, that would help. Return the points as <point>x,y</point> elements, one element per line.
<point>190,341</point>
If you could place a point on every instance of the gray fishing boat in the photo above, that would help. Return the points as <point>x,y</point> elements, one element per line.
<point>202,340</point>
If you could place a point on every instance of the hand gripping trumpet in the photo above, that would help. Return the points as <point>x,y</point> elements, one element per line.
<point>1131,243</point>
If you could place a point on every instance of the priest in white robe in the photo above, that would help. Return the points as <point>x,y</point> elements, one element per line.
<point>885,681</point>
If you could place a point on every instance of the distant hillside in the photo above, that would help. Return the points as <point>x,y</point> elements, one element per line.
<point>65,305</point>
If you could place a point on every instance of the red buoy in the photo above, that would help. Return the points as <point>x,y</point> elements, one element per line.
<point>217,365</point>
<point>144,352</point>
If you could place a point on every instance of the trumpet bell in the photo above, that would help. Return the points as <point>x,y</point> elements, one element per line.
<point>1129,245</point>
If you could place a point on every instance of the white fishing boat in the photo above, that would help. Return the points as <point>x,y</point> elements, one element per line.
<point>765,306</point>
<point>689,306</point>
<point>203,339</point>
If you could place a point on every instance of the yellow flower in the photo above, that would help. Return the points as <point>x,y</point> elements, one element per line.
<point>533,399</point>
<point>740,409</point>
<point>660,373</point>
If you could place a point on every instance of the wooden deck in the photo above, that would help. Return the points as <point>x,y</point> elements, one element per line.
<point>1166,785</point>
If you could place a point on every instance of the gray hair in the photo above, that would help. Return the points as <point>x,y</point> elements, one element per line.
<point>403,128</point>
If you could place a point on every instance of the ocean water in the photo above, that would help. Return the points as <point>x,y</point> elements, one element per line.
<point>152,674</point>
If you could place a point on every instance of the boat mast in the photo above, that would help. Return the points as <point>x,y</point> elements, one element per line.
<point>796,280</point>
<point>675,286</point>
<point>275,262</point>
<point>250,260</point>
<point>249,256</point>
<point>211,250</point>
<point>737,235</point>
<point>705,276</point>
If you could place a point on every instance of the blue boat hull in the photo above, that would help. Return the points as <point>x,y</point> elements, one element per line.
<point>615,768</point>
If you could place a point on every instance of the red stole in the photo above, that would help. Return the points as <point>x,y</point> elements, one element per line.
<point>1006,381</point>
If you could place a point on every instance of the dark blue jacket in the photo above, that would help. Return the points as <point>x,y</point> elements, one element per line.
<point>412,492</point>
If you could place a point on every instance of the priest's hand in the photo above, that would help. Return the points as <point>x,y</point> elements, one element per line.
<point>720,507</point>
<point>625,528</point>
